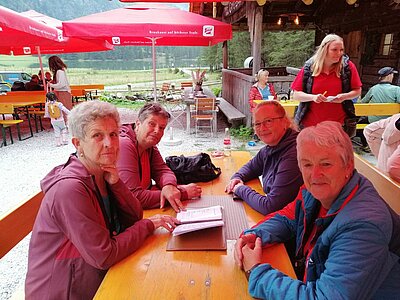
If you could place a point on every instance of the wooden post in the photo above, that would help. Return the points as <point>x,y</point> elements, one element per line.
<point>225,61</point>
<point>256,34</point>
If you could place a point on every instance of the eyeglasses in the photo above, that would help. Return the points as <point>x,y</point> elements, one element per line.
<point>267,122</point>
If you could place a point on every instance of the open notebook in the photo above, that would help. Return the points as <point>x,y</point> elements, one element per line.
<point>214,238</point>
<point>194,219</point>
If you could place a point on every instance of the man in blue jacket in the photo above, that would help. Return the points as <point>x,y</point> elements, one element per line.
<point>347,238</point>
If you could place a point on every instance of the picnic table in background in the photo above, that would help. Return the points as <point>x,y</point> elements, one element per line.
<point>86,91</point>
<point>23,101</point>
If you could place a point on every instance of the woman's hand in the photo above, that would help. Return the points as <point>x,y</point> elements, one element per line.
<point>171,194</point>
<point>245,240</point>
<point>252,255</point>
<point>110,173</point>
<point>193,190</point>
<point>339,98</point>
<point>166,221</point>
<point>231,185</point>
<point>319,98</point>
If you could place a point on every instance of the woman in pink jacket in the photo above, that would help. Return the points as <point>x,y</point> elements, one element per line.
<point>140,162</point>
<point>88,219</point>
<point>383,138</point>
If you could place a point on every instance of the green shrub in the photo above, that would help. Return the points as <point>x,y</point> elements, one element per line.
<point>217,90</point>
<point>242,133</point>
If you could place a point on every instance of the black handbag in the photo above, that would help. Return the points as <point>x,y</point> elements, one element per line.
<point>196,168</point>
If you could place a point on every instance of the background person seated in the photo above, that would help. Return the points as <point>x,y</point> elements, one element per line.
<point>18,86</point>
<point>140,162</point>
<point>33,84</point>
<point>261,90</point>
<point>383,138</point>
<point>346,235</point>
<point>383,92</point>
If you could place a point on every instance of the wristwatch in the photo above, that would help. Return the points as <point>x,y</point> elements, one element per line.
<point>248,272</point>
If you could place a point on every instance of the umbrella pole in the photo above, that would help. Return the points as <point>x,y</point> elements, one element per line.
<point>153,50</point>
<point>41,67</point>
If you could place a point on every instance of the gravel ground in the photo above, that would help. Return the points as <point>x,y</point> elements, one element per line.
<point>24,163</point>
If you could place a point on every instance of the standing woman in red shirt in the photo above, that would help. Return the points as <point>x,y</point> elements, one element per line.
<point>326,85</point>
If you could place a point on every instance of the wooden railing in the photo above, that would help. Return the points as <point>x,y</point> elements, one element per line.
<point>361,109</point>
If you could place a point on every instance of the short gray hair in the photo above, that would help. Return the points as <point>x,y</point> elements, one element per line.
<point>328,134</point>
<point>85,113</point>
<point>153,108</point>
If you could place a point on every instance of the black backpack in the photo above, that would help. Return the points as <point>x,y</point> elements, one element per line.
<point>197,168</point>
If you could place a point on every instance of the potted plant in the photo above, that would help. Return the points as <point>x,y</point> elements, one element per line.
<point>198,78</point>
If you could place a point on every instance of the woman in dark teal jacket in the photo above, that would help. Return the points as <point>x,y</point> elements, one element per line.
<point>347,238</point>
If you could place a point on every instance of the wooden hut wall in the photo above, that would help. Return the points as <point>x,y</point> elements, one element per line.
<point>236,87</point>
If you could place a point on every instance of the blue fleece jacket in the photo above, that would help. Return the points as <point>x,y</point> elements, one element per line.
<point>351,258</point>
<point>281,176</point>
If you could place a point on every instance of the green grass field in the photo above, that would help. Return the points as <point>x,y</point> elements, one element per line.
<point>93,76</point>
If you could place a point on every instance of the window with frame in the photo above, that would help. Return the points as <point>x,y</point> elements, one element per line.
<point>387,43</point>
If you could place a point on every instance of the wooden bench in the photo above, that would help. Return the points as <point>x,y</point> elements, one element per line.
<point>386,187</point>
<point>375,109</point>
<point>15,226</point>
<point>234,116</point>
<point>18,223</point>
<point>4,123</point>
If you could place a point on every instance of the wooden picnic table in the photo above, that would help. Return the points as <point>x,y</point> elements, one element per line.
<point>154,273</point>
<point>25,106</point>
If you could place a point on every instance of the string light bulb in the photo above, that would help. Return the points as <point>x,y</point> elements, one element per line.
<point>297,20</point>
<point>279,21</point>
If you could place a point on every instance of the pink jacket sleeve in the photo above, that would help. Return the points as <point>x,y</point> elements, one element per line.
<point>394,165</point>
<point>254,94</point>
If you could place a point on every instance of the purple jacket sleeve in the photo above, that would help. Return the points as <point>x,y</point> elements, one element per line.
<point>129,172</point>
<point>281,181</point>
<point>77,212</point>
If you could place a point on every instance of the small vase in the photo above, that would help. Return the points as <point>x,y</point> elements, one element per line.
<point>198,88</point>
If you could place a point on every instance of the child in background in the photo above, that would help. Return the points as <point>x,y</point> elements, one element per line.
<point>53,110</point>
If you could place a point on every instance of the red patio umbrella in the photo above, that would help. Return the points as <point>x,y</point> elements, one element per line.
<point>67,45</point>
<point>149,24</point>
<point>18,30</point>
<point>22,33</point>
<point>33,33</point>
